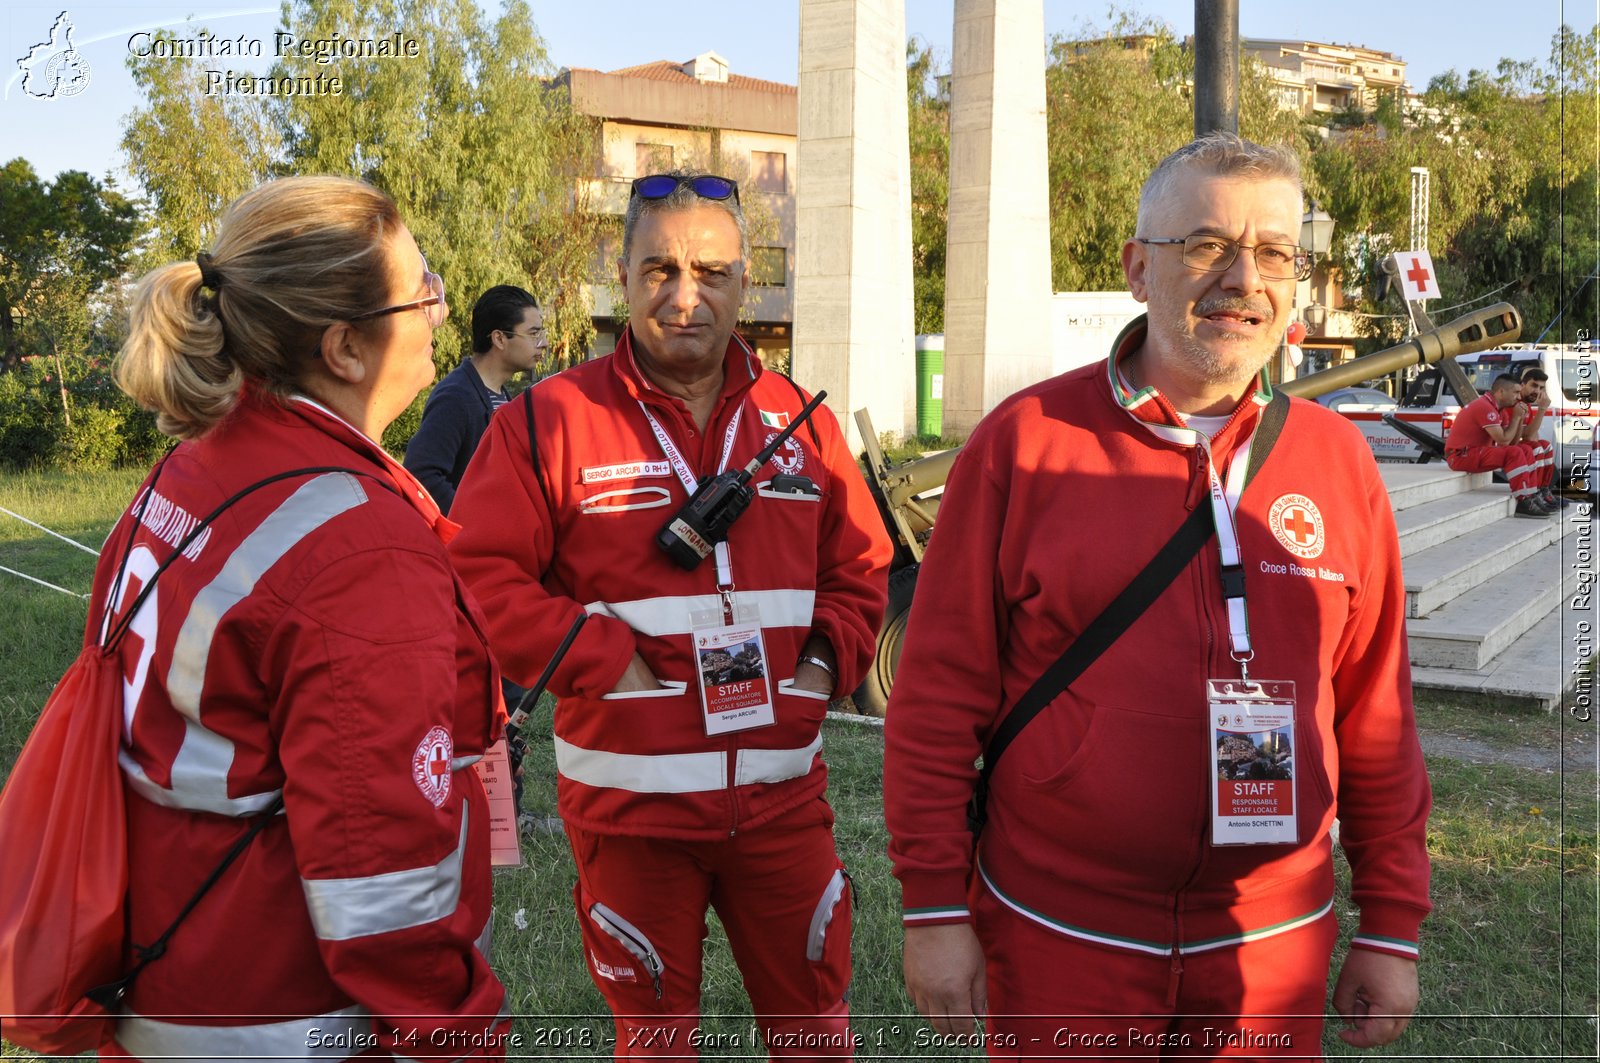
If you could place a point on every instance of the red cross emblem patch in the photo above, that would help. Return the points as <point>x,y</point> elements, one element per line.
<point>1297,524</point>
<point>430,765</point>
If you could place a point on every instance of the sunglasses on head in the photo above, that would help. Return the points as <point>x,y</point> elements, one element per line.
<point>662,185</point>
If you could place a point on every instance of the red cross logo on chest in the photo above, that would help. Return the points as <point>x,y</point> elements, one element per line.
<point>1298,525</point>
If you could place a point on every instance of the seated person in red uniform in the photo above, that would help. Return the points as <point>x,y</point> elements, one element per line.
<point>1534,401</point>
<point>1486,436</point>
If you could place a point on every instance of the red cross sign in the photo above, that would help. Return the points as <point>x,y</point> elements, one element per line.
<point>1298,524</point>
<point>440,763</point>
<point>1417,278</point>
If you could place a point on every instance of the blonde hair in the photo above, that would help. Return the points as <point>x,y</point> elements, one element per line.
<point>291,257</point>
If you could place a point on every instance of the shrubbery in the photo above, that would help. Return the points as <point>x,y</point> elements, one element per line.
<point>106,428</point>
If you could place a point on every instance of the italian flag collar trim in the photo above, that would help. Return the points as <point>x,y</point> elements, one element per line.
<point>1147,406</point>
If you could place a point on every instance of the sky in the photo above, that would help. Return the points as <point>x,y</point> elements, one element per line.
<point>758,39</point>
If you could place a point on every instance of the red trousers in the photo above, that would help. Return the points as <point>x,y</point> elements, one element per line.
<point>1056,997</point>
<point>1517,460</point>
<point>783,898</point>
<point>1544,461</point>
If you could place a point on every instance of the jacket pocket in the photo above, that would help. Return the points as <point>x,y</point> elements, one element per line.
<point>668,689</point>
<point>632,941</point>
<point>1062,741</point>
<point>828,939</point>
<point>624,499</point>
<point>786,686</point>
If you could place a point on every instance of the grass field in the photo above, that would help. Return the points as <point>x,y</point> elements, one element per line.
<point>1510,966</point>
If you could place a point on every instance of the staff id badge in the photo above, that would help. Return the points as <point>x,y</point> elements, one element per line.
<point>1252,749</point>
<point>731,660</point>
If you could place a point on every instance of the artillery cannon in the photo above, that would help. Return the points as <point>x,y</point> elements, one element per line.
<point>909,493</point>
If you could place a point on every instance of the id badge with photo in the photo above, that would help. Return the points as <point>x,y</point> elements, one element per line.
<point>731,662</point>
<point>1252,759</point>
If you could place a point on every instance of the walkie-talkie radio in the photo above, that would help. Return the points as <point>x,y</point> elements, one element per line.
<point>719,501</point>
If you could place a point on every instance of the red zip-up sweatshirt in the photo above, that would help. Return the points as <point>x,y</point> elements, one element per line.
<point>573,529</point>
<point>311,643</point>
<point>1099,813</point>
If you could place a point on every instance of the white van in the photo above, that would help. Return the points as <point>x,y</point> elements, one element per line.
<point>1574,389</point>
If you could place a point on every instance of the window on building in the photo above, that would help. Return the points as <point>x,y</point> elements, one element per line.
<point>769,266</point>
<point>652,158</point>
<point>769,172</point>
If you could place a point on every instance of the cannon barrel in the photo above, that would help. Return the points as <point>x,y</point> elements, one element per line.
<point>1479,330</point>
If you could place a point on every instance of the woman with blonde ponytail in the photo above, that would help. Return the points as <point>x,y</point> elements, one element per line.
<point>307,663</point>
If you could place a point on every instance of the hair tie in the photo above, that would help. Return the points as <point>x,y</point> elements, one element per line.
<point>209,277</point>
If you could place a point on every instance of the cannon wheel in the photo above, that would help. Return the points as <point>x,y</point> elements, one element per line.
<point>872,696</point>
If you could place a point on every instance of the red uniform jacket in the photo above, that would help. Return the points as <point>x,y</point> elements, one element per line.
<point>1099,813</point>
<point>314,642</point>
<point>574,529</point>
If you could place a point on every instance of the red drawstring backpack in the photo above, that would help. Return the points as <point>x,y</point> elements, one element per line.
<point>64,840</point>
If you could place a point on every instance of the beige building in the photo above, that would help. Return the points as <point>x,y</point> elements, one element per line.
<point>662,115</point>
<point>1314,78</point>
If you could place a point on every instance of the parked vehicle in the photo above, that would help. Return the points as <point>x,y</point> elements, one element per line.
<point>1569,424</point>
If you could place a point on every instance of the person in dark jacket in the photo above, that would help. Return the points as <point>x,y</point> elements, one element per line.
<point>507,337</point>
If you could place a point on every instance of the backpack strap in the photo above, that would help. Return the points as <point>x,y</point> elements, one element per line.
<point>533,448</point>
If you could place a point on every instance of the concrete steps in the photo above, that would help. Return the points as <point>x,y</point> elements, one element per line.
<point>1438,573</point>
<point>1490,596</point>
<point>1439,520</point>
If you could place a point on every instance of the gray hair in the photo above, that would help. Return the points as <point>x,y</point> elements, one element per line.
<point>1219,154</point>
<point>682,198</point>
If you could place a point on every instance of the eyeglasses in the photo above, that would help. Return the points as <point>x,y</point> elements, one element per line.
<point>532,334</point>
<point>662,185</point>
<point>434,305</point>
<point>1213,254</point>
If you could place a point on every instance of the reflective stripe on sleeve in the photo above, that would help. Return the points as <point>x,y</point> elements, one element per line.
<point>329,1036</point>
<point>345,908</point>
<point>199,779</point>
<point>680,773</point>
<point>669,615</point>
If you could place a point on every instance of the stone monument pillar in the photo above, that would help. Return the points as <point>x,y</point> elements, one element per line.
<point>997,279</point>
<point>852,298</point>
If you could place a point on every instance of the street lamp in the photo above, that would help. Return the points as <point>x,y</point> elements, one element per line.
<point>1316,230</point>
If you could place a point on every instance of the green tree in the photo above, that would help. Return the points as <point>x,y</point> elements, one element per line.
<point>1512,162</point>
<point>1117,101</point>
<point>483,156</point>
<point>193,152</point>
<point>61,242</point>
<point>929,126</point>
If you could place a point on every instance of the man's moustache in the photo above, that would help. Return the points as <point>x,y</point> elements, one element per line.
<point>1207,307</point>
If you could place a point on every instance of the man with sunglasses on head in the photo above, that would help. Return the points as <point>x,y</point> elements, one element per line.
<point>690,703</point>
<point>1149,571</point>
